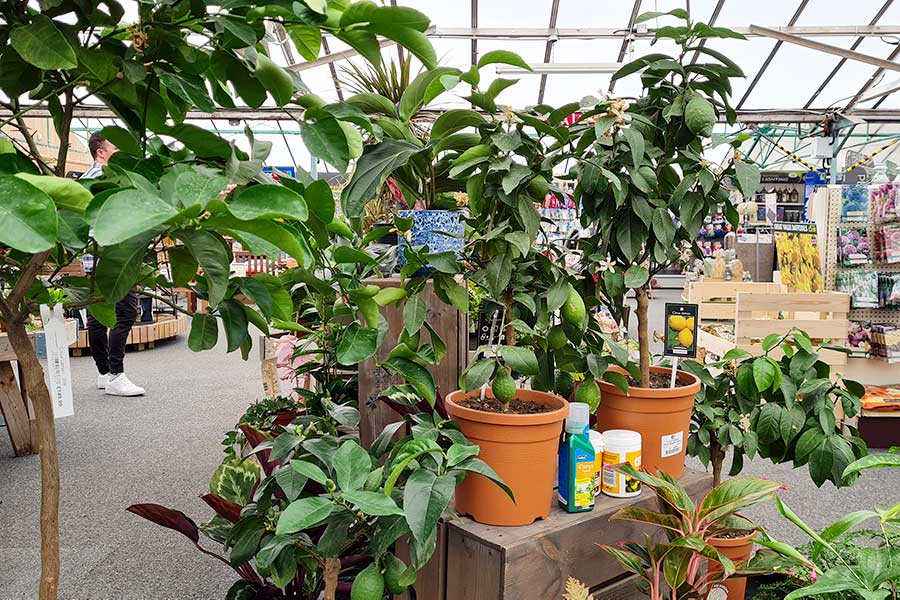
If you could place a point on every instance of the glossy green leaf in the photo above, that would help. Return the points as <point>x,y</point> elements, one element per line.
<point>28,216</point>
<point>502,57</point>
<point>373,503</point>
<point>42,44</point>
<point>204,332</point>
<point>520,359</point>
<point>215,259</point>
<point>268,201</point>
<point>357,344</point>
<point>352,465</point>
<point>303,514</point>
<point>425,498</point>
<point>377,162</point>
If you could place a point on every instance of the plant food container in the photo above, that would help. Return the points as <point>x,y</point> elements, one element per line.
<point>597,442</point>
<point>620,446</point>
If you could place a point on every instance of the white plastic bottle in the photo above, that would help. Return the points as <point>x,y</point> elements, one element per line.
<point>620,446</point>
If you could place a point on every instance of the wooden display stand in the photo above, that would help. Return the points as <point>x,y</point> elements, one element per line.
<point>717,298</point>
<point>143,335</point>
<point>15,407</point>
<point>449,323</point>
<point>823,315</point>
<point>483,562</point>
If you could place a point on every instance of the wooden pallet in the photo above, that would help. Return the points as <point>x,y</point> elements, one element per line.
<point>143,335</point>
<point>717,299</point>
<point>823,315</point>
<point>483,562</point>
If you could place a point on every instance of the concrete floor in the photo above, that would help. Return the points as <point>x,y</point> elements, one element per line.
<point>163,448</point>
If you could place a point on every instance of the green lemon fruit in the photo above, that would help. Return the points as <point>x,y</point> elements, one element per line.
<point>573,310</point>
<point>368,585</point>
<point>557,337</point>
<point>589,393</point>
<point>504,386</point>
<point>394,575</point>
<point>700,115</point>
<point>538,188</point>
<point>564,384</point>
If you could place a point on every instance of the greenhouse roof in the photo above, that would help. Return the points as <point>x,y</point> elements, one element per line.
<point>804,60</point>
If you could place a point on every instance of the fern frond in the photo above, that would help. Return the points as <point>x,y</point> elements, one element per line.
<point>575,590</point>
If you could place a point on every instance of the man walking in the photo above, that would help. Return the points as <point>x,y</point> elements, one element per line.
<point>108,347</point>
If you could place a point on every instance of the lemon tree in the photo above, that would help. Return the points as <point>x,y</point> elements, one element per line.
<point>643,180</point>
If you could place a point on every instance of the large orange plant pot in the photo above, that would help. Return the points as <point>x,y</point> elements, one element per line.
<point>522,449</point>
<point>661,415</point>
<point>738,550</point>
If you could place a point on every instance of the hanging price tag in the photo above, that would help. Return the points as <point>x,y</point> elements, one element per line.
<point>59,371</point>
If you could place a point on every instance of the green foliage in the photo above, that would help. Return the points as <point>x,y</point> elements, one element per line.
<point>642,178</point>
<point>325,498</point>
<point>671,568</point>
<point>782,410</point>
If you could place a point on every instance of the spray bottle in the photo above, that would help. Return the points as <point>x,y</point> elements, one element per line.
<point>576,462</point>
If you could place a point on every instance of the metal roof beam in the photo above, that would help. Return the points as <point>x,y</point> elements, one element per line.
<point>628,36</point>
<point>712,21</point>
<point>548,50</point>
<point>842,62</point>
<point>773,52</point>
<point>615,33</point>
<point>870,115</point>
<point>875,77</point>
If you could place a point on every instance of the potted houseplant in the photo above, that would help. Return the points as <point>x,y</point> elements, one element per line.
<point>517,429</point>
<point>93,55</point>
<point>327,520</point>
<point>783,410</point>
<point>645,185</point>
<point>669,565</point>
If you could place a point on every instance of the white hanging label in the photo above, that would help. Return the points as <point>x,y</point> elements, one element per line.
<point>672,444</point>
<point>58,369</point>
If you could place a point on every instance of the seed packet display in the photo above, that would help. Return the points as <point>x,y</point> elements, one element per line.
<point>887,243</point>
<point>889,290</point>
<point>862,286</point>
<point>858,339</point>
<point>886,342</point>
<point>855,203</point>
<point>853,246</point>
<point>885,201</point>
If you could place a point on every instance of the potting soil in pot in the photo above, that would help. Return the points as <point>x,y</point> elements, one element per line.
<point>657,381</point>
<point>515,407</point>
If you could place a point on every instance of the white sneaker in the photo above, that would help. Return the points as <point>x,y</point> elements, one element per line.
<point>102,381</point>
<point>120,385</point>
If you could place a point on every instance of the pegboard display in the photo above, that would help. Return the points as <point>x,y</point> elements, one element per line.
<point>828,235</point>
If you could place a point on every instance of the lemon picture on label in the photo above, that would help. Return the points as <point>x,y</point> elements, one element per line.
<point>677,322</point>
<point>686,337</point>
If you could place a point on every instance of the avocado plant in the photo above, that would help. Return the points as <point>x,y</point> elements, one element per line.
<point>164,192</point>
<point>642,178</point>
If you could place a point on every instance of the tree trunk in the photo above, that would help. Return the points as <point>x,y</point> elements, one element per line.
<point>643,304</point>
<point>37,390</point>
<point>717,457</point>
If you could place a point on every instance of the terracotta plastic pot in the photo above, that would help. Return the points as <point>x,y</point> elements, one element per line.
<point>522,449</point>
<point>661,415</point>
<point>738,550</point>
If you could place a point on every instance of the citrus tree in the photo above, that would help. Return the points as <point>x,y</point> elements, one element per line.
<point>169,188</point>
<point>644,180</point>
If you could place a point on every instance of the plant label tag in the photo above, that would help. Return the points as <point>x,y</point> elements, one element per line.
<point>58,369</point>
<point>718,592</point>
<point>681,330</point>
<point>671,444</point>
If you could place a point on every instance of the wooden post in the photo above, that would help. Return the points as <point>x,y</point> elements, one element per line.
<point>449,323</point>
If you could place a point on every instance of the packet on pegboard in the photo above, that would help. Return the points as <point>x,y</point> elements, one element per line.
<point>886,342</point>
<point>887,243</point>
<point>855,203</point>
<point>861,285</point>
<point>858,339</point>
<point>885,201</point>
<point>853,246</point>
<point>889,290</point>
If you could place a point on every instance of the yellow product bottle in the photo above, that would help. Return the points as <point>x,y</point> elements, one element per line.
<point>620,446</point>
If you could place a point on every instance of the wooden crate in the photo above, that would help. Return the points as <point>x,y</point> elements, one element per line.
<point>822,315</point>
<point>449,323</point>
<point>483,562</point>
<point>717,299</point>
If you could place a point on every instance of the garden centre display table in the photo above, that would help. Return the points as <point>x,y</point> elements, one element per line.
<point>484,562</point>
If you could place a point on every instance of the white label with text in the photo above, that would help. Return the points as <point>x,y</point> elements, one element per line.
<point>672,444</point>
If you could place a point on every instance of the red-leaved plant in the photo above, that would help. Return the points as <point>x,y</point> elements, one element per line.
<point>670,565</point>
